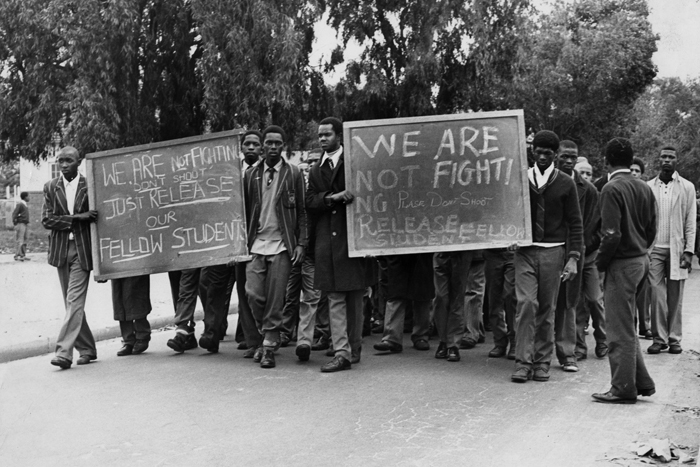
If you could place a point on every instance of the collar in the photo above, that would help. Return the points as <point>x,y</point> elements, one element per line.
<point>674,177</point>
<point>539,179</point>
<point>619,171</point>
<point>335,157</point>
<point>73,183</point>
<point>276,167</point>
<point>254,164</point>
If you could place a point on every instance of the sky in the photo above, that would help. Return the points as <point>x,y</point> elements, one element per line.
<point>677,22</point>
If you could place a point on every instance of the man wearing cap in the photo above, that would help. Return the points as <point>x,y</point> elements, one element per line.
<point>628,219</point>
<point>672,253</point>
<point>550,260</point>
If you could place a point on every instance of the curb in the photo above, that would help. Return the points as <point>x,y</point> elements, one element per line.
<point>47,346</point>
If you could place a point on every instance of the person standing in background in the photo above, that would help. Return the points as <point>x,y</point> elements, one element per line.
<point>20,219</point>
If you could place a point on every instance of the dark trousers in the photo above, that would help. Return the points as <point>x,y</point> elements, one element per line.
<point>252,335</point>
<point>500,277</point>
<point>538,271</point>
<point>292,300</point>
<point>565,316</point>
<point>590,306</point>
<point>133,330</point>
<point>75,331</point>
<point>213,283</point>
<point>474,301</point>
<point>323,323</point>
<point>187,299</point>
<point>644,306</point>
<point>266,287</point>
<point>623,280</point>
<point>450,272</point>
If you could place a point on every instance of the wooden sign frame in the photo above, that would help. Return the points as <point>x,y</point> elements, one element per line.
<point>186,258</point>
<point>352,165</point>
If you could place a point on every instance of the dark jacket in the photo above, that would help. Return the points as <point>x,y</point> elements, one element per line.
<point>410,277</point>
<point>289,204</point>
<point>628,219</point>
<point>562,215</point>
<point>589,202</point>
<point>335,270</point>
<point>21,214</point>
<point>131,298</point>
<point>54,216</point>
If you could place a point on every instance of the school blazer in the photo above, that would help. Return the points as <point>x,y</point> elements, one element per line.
<point>54,216</point>
<point>289,204</point>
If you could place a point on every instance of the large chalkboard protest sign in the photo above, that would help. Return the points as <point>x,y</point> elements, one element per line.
<point>167,206</point>
<point>438,183</point>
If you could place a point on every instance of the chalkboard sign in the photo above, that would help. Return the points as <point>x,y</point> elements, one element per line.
<point>438,183</point>
<point>167,206</point>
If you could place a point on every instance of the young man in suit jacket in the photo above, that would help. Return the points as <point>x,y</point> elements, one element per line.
<point>67,215</point>
<point>277,238</point>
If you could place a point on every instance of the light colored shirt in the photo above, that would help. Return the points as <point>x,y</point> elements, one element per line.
<point>665,203</point>
<point>334,157</point>
<point>537,178</point>
<point>268,238</point>
<point>71,190</point>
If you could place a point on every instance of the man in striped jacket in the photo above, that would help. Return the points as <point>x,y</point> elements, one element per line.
<point>67,215</point>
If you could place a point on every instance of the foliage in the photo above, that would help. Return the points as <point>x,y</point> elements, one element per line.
<point>582,67</point>
<point>669,113</point>
<point>419,58</point>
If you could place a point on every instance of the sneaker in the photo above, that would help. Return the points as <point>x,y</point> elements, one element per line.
<point>656,348</point>
<point>182,341</point>
<point>541,374</point>
<point>570,367</point>
<point>675,349</point>
<point>521,375</point>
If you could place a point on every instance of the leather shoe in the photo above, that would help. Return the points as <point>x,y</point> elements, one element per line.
<point>610,398</point>
<point>85,359</point>
<point>339,363</point>
<point>497,352</point>
<point>284,340</point>
<point>648,335</point>
<point>541,374</point>
<point>355,355</point>
<point>441,351</point>
<point>421,344</point>
<point>258,354</point>
<point>330,352</point>
<point>467,344</point>
<point>140,346</point>
<point>656,348</point>
<point>242,346</point>
<point>249,353</point>
<point>453,354</point>
<point>127,349</point>
<point>580,356</point>
<point>210,343</point>
<point>601,350</point>
<point>387,346</point>
<point>321,344</point>
<point>303,352</point>
<point>521,375</point>
<point>646,392</point>
<point>62,362</point>
<point>182,341</point>
<point>675,349</point>
<point>511,351</point>
<point>268,358</point>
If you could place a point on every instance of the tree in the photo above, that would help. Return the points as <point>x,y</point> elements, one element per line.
<point>425,57</point>
<point>582,67</point>
<point>669,113</point>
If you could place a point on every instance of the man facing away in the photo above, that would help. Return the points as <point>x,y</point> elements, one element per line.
<point>67,215</point>
<point>277,238</point>
<point>672,253</point>
<point>550,260</point>
<point>20,219</point>
<point>343,278</point>
<point>628,217</point>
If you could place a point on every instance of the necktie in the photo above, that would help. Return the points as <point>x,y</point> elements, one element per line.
<point>539,217</point>
<point>271,176</point>
<point>329,162</point>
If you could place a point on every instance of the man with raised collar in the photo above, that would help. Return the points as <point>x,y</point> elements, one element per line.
<point>568,331</point>
<point>277,238</point>
<point>557,232</point>
<point>67,215</point>
<point>628,228</point>
<point>672,253</point>
<point>343,278</point>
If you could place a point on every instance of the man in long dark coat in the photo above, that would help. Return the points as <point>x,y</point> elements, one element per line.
<point>343,278</point>
<point>131,303</point>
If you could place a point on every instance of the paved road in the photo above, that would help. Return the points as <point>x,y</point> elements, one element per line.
<point>409,409</point>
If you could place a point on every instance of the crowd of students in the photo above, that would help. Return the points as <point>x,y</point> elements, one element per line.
<point>602,253</point>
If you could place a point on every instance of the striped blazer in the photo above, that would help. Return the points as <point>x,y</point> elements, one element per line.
<point>54,216</point>
<point>289,204</point>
